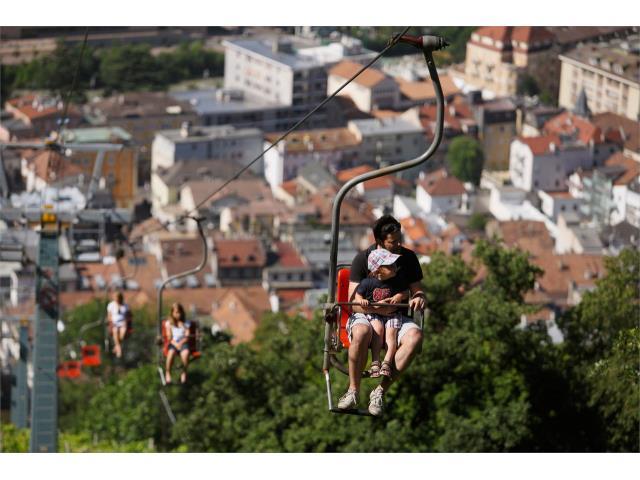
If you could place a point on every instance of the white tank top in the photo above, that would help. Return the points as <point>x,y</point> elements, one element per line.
<point>178,333</point>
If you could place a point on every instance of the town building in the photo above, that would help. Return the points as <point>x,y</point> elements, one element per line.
<point>141,114</point>
<point>609,75</point>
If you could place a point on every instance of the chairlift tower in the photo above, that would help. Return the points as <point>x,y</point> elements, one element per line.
<point>44,411</point>
<point>19,389</point>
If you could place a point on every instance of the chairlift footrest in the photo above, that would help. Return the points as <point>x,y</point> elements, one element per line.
<point>352,411</point>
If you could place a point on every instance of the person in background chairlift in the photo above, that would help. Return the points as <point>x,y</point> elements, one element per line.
<point>381,286</point>
<point>178,335</point>
<point>387,235</point>
<point>118,313</point>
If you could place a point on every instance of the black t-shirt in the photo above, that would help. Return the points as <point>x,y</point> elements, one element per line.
<point>409,268</point>
<point>376,290</point>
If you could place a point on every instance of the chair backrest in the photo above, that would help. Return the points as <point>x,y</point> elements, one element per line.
<point>342,295</point>
<point>91,356</point>
<point>69,369</point>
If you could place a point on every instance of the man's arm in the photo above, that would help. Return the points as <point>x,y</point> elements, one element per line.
<point>417,300</point>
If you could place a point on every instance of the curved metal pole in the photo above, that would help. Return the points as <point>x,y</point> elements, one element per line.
<point>427,44</point>
<point>203,262</point>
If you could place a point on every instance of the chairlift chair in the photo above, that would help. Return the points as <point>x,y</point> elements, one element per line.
<point>336,309</point>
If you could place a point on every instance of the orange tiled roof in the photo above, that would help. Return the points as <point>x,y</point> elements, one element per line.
<point>440,183</point>
<point>325,139</point>
<point>619,127</point>
<point>632,167</point>
<point>346,69</point>
<point>424,90</point>
<point>540,145</point>
<point>568,123</point>
<point>288,256</point>
<point>245,252</point>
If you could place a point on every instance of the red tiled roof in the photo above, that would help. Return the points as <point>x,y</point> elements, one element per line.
<point>440,183</point>
<point>569,124</point>
<point>559,270</point>
<point>501,34</point>
<point>51,166</point>
<point>619,129</point>
<point>247,252</point>
<point>531,34</point>
<point>346,69</point>
<point>508,35</point>
<point>540,145</point>
<point>288,256</point>
<point>291,187</point>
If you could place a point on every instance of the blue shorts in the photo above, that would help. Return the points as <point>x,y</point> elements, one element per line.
<point>185,346</point>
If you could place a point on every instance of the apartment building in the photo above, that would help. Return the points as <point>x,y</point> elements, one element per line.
<point>240,145</point>
<point>499,57</point>
<point>271,70</point>
<point>609,74</point>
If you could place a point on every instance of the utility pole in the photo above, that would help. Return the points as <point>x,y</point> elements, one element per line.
<point>44,411</point>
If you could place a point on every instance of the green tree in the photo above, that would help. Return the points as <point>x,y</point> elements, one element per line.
<point>465,158</point>
<point>509,272</point>
<point>527,85</point>
<point>591,327</point>
<point>615,392</point>
<point>129,67</point>
<point>477,221</point>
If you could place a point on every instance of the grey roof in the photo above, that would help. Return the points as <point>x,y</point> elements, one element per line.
<point>266,50</point>
<point>588,238</point>
<point>222,101</point>
<point>612,58</point>
<point>390,126</point>
<point>181,172</point>
<point>199,133</point>
<point>316,175</point>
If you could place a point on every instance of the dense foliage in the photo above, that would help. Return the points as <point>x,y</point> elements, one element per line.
<point>482,383</point>
<point>465,159</point>
<point>118,68</point>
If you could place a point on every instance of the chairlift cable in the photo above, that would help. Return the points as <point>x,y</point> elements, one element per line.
<point>391,43</point>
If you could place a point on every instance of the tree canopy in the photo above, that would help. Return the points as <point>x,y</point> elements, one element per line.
<point>465,159</point>
<point>483,382</point>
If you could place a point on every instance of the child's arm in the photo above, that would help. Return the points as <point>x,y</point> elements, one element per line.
<point>399,297</point>
<point>361,300</point>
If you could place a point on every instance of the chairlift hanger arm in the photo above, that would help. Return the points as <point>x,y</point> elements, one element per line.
<point>430,43</point>
<point>192,271</point>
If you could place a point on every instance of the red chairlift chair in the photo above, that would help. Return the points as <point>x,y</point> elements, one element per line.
<point>91,356</point>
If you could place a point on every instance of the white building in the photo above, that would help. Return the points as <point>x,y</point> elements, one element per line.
<point>272,70</point>
<point>554,203</point>
<point>439,192</point>
<point>334,148</point>
<point>197,143</point>
<point>390,140</point>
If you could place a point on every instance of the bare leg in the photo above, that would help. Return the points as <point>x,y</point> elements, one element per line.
<point>377,340</point>
<point>391,336</point>
<point>168,363</point>
<point>411,342</point>
<point>184,356</point>
<point>360,339</point>
<point>117,348</point>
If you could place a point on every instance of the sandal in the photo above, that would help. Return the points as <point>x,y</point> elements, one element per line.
<point>385,370</point>
<point>374,370</point>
